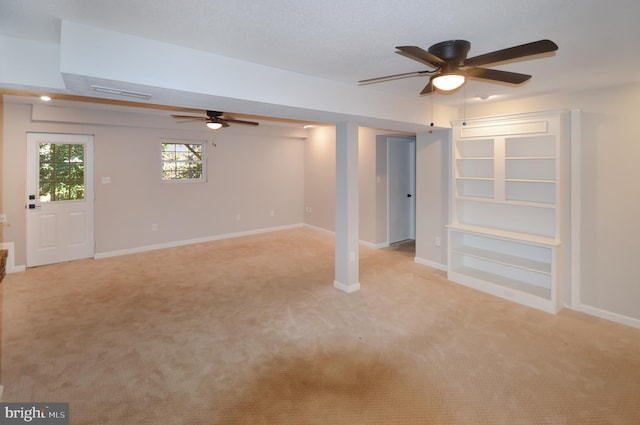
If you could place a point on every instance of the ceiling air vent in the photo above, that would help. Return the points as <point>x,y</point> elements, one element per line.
<point>120,92</point>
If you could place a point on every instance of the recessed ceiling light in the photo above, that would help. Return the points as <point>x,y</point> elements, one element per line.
<point>45,98</point>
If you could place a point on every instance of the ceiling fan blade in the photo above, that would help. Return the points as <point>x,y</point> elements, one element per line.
<point>393,77</point>
<point>188,118</point>
<point>529,49</point>
<point>237,121</point>
<point>428,89</point>
<point>421,55</point>
<point>497,75</point>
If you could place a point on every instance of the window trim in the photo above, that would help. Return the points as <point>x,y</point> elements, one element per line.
<point>203,160</point>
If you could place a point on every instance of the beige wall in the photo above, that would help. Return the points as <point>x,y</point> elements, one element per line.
<point>320,178</point>
<point>432,194</point>
<point>382,195</point>
<point>367,184</point>
<point>373,186</point>
<point>610,181</point>
<point>319,191</point>
<point>251,171</point>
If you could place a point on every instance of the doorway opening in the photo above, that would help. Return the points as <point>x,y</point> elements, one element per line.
<point>401,168</point>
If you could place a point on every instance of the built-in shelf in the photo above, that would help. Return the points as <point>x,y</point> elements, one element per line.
<point>505,259</point>
<point>506,283</point>
<point>504,236</point>
<point>479,148</point>
<point>480,168</point>
<point>475,187</point>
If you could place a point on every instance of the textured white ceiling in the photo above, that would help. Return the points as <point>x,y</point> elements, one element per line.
<point>352,40</point>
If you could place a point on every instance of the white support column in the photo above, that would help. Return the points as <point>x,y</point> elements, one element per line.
<point>347,223</point>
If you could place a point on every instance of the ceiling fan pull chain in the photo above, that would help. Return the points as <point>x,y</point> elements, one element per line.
<point>432,89</point>
<point>464,105</point>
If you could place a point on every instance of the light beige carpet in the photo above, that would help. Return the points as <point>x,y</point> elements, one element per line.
<point>251,331</point>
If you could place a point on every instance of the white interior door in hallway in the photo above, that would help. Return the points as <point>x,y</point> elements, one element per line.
<point>401,166</point>
<point>59,197</point>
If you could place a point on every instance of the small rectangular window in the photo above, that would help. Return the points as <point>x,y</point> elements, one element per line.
<point>183,161</point>
<point>61,172</point>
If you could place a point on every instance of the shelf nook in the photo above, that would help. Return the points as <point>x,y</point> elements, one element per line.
<point>507,202</point>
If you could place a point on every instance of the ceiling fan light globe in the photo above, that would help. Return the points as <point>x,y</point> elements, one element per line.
<point>213,125</point>
<point>448,82</point>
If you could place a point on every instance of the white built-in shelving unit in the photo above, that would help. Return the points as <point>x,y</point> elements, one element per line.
<point>508,207</point>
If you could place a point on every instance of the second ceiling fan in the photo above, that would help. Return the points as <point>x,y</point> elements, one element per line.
<point>452,67</point>
<point>215,120</point>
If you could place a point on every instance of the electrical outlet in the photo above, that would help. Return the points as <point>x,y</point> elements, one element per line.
<point>154,227</point>
<point>438,241</point>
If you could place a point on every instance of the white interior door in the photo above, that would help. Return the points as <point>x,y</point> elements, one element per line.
<point>59,198</point>
<point>402,206</point>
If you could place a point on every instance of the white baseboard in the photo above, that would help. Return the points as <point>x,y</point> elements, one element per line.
<point>375,245</point>
<point>430,264</point>
<point>10,266</point>
<point>349,289</point>
<point>363,243</point>
<point>319,229</point>
<point>193,241</point>
<point>608,315</point>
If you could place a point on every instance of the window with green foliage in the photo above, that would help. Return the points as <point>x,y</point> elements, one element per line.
<point>183,161</point>
<point>61,172</point>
